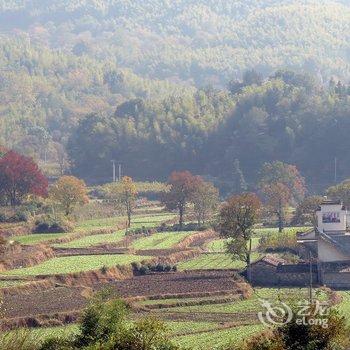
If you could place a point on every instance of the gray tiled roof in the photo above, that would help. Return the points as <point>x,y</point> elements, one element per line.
<point>341,241</point>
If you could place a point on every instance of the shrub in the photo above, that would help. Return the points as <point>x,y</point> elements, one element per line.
<point>57,343</point>
<point>104,326</point>
<point>135,266</point>
<point>19,216</point>
<point>306,335</point>
<point>141,231</point>
<point>186,227</point>
<point>104,269</point>
<point>49,224</point>
<point>100,320</point>
<point>145,268</point>
<point>284,241</point>
<point>146,334</point>
<point>159,268</point>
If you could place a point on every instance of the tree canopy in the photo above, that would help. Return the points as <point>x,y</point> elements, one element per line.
<point>188,84</point>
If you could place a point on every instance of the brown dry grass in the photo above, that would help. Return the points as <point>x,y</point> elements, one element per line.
<point>89,278</point>
<point>52,320</point>
<point>196,238</point>
<point>334,297</point>
<point>176,257</point>
<point>15,229</point>
<point>80,234</point>
<point>27,288</point>
<point>16,255</point>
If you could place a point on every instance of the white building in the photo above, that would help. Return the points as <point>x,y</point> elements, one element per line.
<point>330,241</point>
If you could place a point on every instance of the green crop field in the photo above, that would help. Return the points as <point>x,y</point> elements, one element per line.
<point>180,332</point>
<point>218,245</point>
<point>213,261</point>
<point>72,264</point>
<point>150,220</point>
<point>173,301</point>
<point>11,283</point>
<point>137,221</point>
<point>259,232</point>
<point>93,240</point>
<point>99,223</point>
<point>252,304</point>
<point>218,338</point>
<point>161,240</point>
<point>344,306</point>
<point>180,327</point>
<point>37,238</point>
<point>39,335</point>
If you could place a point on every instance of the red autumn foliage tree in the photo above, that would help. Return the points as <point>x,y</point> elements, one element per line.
<point>182,187</point>
<point>20,176</point>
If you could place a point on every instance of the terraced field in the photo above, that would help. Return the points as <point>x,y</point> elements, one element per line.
<point>259,232</point>
<point>37,238</point>
<point>212,312</point>
<point>71,264</point>
<point>214,261</point>
<point>139,221</point>
<point>10,283</point>
<point>190,335</point>
<point>161,240</point>
<point>151,220</point>
<point>193,329</point>
<point>218,245</point>
<point>249,305</point>
<point>93,240</point>
<point>217,338</point>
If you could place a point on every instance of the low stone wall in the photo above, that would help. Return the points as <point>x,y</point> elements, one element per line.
<point>283,275</point>
<point>298,275</point>
<point>339,280</point>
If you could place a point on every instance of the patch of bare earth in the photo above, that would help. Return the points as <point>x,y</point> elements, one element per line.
<point>175,283</point>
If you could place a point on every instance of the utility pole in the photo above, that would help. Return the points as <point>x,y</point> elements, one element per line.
<point>335,170</point>
<point>113,164</point>
<point>249,267</point>
<point>119,172</point>
<point>310,286</point>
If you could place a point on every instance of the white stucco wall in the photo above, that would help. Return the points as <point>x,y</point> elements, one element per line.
<point>328,253</point>
<point>332,209</point>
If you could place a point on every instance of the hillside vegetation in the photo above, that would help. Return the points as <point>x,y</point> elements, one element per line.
<point>144,68</point>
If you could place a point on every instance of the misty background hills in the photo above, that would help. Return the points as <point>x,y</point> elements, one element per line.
<point>157,76</point>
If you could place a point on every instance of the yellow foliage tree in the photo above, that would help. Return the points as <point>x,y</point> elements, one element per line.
<point>69,192</point>
<point>125,193</point>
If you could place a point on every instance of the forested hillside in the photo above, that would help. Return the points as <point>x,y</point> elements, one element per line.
<point>287,117</point>
<point>161,77</point>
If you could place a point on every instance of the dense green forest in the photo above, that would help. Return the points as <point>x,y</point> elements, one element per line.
<point>160,85</point>
<point>287,117</point>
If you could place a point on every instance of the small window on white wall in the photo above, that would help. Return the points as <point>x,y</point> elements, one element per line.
<point>330,217</point>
